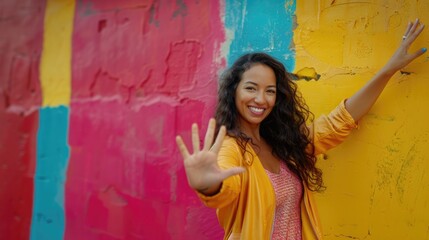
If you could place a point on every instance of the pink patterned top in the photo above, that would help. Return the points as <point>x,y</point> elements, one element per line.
<point>288,189</point>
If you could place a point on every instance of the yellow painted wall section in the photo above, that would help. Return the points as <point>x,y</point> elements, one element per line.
<point>55,67</point>
<point>378,180</point>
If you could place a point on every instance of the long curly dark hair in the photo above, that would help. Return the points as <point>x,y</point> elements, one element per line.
<point>283,129</point>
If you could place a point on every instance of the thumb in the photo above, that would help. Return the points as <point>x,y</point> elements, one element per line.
<point>418,53</point>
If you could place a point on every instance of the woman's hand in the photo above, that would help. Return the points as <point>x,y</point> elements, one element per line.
<point>361,102</point>
<point>401,57</point>
<point>202,170</point>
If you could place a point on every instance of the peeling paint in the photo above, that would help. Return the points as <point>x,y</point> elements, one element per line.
<point>181,64</point>
<point>307,73</point>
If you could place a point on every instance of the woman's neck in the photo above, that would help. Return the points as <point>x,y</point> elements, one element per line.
<point>251,132</point>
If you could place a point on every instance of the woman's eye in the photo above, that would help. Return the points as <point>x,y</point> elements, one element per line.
<point>250,88</point>
<point>271,91</point>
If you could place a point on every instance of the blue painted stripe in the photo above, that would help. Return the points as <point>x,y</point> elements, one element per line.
<point>261,26</point>
<point>48,220</point>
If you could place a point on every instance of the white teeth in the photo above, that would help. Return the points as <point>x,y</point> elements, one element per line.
<point>256,110</point>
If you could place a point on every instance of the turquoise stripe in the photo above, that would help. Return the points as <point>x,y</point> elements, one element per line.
<point>261,26</point>
<point>48,220</point>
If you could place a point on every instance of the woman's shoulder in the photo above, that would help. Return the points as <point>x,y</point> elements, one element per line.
<point>229,139</point>
<point>230,143</point>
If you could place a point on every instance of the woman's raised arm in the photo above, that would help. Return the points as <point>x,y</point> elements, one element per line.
<point>361,102</point>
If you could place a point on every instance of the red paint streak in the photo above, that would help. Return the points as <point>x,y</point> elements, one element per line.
<point>17,165</point>
<point>21,25</point>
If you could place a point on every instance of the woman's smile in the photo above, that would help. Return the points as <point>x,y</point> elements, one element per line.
<point>256,110</point>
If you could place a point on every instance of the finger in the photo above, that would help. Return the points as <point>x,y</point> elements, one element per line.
<point>415,34</point>
<point>419,30</point>
<point>209,135</point>
<point>407,37</point>
<point>182,147</point>
<point>195,138</point>
<point>413,28</point>
<point>231,172</point>
<point>219,139</point>
<point>407,31</point>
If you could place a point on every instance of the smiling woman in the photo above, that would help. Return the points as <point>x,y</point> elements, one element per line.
<point>261,170</point>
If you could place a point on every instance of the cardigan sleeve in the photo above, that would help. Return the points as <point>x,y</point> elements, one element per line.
<point>229,156</point>
<point>328,131</point>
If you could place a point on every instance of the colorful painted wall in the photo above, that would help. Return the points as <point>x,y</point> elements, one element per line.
<point>93,92</point>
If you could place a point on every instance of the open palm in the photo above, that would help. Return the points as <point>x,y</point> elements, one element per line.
<point>202,169</point>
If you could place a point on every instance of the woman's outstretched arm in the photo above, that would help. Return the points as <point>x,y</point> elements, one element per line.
<point>361,102</point>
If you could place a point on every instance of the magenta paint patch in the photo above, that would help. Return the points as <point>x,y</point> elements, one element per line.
<point>125,178</point>
<point>142,73</point>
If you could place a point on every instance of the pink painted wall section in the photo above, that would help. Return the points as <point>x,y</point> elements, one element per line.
<point>143,71</point>
<point>21,26</point>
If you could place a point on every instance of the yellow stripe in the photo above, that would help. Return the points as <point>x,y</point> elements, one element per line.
<point>55,67</point>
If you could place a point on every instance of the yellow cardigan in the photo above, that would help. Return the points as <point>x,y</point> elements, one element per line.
<point>246,202</point>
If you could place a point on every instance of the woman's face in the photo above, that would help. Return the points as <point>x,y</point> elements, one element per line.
<point>255,95</point>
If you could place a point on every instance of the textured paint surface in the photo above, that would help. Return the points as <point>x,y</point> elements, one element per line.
<point>52,159</point>
<point>377,180</point>
<point>143,71</point>
<point>267,27</point>
<point>21,27</point>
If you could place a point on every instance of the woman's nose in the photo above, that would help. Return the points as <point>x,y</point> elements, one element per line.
<point>260,97</point>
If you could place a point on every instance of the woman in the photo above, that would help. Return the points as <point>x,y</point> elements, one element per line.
<point>260,172</point>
